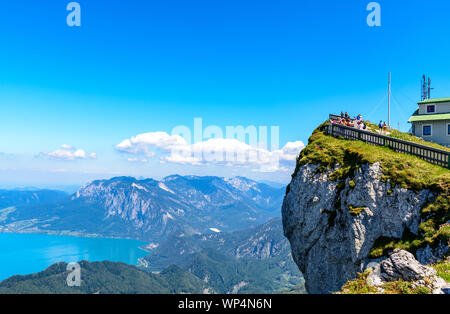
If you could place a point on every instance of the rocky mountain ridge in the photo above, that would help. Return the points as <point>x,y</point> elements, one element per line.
<point>150,209</point>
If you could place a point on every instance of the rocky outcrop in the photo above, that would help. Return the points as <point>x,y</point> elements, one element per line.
<point>333,225</point>
<point>431,255</point>
<point>402,265</point>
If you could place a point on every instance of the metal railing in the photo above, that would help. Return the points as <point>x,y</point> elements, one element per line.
<point>336,117</point>
<point>430,154</point>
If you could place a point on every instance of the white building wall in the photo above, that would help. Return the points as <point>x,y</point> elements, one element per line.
<point>439,108</point>
<point>439,131</point>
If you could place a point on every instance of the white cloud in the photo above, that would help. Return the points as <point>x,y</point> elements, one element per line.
<point>142,143</point>
<point>67,152</point>
<point>291,150</point>
<point>217,151</point>
<point>68,147</point>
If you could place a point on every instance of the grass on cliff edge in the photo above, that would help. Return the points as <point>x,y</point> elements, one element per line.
<point>407,171</point>
<point>406,137</point>
<point>443,269</point>
<point>398,169</point>
<point>361,286</point>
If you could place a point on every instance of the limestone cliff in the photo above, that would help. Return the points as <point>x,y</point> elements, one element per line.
<point>349,203</point>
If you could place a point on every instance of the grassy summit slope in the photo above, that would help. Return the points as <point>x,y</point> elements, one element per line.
<point>398,169</point>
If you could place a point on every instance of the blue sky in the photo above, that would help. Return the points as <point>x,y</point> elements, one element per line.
<point>135,67</point>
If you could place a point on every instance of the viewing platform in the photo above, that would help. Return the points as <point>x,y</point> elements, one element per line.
<point>430,154</point>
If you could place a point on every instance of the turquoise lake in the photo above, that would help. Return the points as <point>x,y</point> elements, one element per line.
<point>23,254</point>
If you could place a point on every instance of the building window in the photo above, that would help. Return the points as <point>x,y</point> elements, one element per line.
<point>431,109</point>
<point>413,130</point>
<point>448,129</point>
<point>426,130</point>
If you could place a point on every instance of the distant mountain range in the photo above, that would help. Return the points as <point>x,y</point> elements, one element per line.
<point>20,197</point>
<point>147,209</point>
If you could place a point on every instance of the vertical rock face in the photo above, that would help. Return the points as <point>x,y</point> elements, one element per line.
<point>332,227</point>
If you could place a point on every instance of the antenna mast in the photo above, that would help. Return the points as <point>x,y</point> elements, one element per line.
<point>429,88</point>
<point>389,101</point>
<point>423,88</point>
<point>426,90</point>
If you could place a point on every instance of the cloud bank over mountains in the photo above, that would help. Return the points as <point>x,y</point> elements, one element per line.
<point>216,151</point>
<point>153,154</point>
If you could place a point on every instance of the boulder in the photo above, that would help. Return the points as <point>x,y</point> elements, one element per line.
<point>403,265</point>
